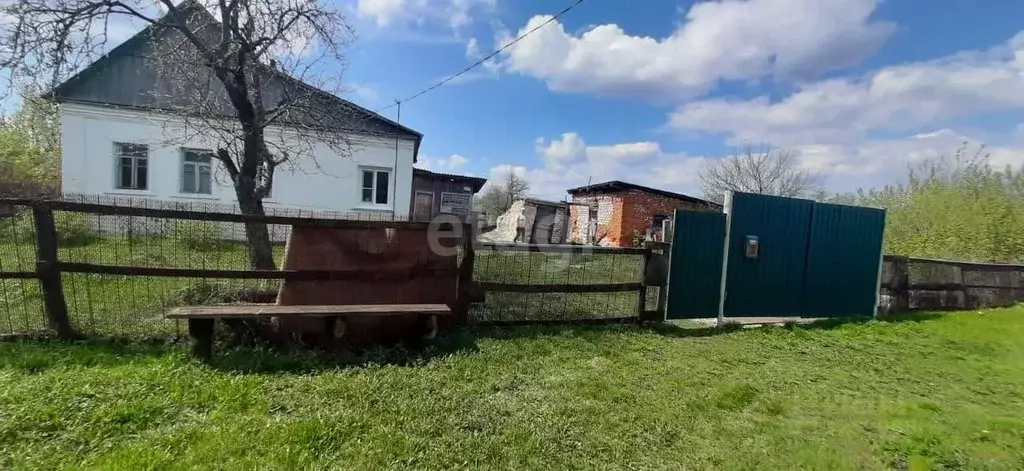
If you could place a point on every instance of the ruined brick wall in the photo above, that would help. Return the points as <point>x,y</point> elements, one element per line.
<point>639,209</point>
<point>608,215</point>
<point>558,229</point>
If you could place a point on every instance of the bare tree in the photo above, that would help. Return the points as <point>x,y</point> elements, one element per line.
<point>765,171</point>
<point>501,194</point>
<point>250,77</point>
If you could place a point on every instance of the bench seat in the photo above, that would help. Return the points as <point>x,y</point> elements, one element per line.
<point>241,311</point>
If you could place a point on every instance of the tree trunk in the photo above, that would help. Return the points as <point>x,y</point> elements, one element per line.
<point>257,237</point>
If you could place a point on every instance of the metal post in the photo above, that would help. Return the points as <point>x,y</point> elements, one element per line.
<point>726,209</point>
<point>881,263</point>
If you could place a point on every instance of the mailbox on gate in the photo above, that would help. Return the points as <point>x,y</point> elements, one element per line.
<point>752,247</point>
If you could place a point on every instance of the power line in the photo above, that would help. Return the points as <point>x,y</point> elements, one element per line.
<point>485,59</point>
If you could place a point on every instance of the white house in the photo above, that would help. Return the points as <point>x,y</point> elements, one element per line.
<point>119,140</point>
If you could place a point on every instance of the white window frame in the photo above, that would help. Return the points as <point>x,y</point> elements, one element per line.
<point>135,159</point>
<point>195,173</point>
<point>373,187</point>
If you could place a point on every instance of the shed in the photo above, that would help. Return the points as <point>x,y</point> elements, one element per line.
<point>614,213</point>
<point>441,193</point>
<point>544,221</point>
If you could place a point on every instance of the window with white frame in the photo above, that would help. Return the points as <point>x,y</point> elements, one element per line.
<point>132,166</point>
<point>197,171</point>
<point>375,186</point>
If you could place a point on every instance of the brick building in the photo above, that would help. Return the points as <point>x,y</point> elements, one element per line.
<point>612,213</point>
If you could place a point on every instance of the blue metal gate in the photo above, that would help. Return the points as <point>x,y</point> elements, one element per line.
<point>771,282</point>
<point>785,257</point>
<point>695,265</point>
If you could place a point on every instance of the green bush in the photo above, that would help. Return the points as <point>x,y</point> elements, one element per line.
<point>958,208</point>
<point>197,235</point>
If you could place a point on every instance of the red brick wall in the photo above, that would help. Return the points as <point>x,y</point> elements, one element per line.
<point>639,209</point>
<point>620,214</point>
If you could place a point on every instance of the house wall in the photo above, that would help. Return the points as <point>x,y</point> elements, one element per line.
<point>331,182</point>
<point>436,185</point>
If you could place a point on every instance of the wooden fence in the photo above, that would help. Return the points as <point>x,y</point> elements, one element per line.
<point>910,283</point>
<point>510,274</point>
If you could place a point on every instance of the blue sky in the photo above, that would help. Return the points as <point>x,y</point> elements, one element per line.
<point>649,91</point>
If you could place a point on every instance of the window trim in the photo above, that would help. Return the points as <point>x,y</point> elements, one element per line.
<point>181,173</point>
<point>135,166</point>
<point>373,194</point>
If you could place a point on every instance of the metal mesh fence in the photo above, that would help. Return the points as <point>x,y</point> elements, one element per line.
<point>20,298</point>
<point>540,268</point>
<point>120,305</point>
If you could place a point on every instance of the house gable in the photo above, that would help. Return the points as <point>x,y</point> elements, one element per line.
<point>129,76</point>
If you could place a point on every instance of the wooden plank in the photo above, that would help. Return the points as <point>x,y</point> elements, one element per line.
<point>983,266</point>
<point>49,276</point>
<point>18,274</point>
<point>273,310</point>
<point>570,322</point>
<point>382,276</point>
<point>563,288</point>
<point>641,295</point>
<point>558,248</point>
<point>941,287</point>
<point>110,210</point>
<point>465,283</point>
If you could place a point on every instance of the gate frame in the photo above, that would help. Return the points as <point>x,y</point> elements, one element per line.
<point>722,292</point>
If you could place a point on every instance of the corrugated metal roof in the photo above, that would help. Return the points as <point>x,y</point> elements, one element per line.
<point>477,182</point>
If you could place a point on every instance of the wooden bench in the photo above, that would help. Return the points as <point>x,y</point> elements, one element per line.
<point>201,319</point>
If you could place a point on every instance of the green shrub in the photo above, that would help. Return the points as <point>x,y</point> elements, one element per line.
<point>959,208</point>
<point>197,235</point>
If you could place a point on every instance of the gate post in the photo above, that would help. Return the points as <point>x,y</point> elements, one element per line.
<point>722,292</point>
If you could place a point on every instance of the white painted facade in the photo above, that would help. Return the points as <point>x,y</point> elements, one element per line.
<point>89,135</point>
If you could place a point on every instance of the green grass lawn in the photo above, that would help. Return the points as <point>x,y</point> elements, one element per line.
<point>134,306</point>
<point>930,391</point>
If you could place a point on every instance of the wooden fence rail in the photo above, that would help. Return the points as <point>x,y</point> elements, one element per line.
<point>49,268</point>
<point>924,283</point>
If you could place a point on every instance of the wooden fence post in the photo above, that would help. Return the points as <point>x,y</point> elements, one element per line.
<point>49,272</point>
<point>900,284</point>
<point>465,286</point>
<point>641,298</point>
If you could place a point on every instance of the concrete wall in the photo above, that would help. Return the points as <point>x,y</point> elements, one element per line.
<point>331,182</point>
<point>505,230</point>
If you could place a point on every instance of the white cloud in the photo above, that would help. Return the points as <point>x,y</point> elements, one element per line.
<point>569,162</point>
<point>381,11</point>
<point>441,164</point>
<point>877,162</point>
<point>725,40</point>
<point>453,13</point>
<point>900,97</point>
